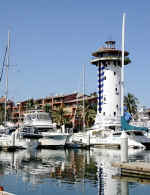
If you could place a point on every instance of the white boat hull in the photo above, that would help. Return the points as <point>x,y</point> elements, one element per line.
<point>108,139</point>
<point>53,140</point>
<point>14,141</point>
<point>111,141</point>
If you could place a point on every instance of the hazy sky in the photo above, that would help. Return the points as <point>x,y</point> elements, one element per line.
<point>52,39</point>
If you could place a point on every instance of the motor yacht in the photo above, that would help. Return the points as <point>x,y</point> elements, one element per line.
<point>112,139</point>
<point>14,140</point>
<point>53,139</point>
<point>38,119</point>
<point>136,139</point>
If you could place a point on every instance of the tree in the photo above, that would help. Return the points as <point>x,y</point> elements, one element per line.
<point>59,116</point>
<point>93,94</point>
<point>47,108</point>
<point>30,104</point>
<point>2,113</point>
<point>89,111</point>
<point>131,102</point>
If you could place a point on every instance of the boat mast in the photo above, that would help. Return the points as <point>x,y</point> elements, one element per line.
<point>122,68</point>
<point>83,97</point>
<point>7,66</point>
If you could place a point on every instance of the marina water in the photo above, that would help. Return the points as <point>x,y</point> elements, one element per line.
<point>68,172</point>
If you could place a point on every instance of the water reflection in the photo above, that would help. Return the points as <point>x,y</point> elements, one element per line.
<point>105,171</point>
<point>34,167</point>
<point>91,169</point>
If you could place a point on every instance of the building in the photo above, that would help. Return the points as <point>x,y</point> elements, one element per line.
<point>9,107</point>
<point>69,102</point>
<point>108,61</point>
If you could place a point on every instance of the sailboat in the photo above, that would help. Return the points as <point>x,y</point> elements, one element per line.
<point>6,123</point>
<point>10,138</point>
<point>80,139</point>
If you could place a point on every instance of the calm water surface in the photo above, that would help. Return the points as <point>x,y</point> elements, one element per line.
<point>68,172</point>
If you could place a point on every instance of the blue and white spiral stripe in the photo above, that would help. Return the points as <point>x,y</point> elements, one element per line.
<point>100,86</point>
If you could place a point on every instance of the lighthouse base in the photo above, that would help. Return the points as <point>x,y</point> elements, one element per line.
<point>103,122</point>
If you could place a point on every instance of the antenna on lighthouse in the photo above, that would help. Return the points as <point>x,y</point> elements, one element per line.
<point>122,68</point>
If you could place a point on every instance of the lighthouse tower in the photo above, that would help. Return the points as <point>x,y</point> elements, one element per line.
<point>108,62</point>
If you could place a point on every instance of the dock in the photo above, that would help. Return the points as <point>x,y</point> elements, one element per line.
<point>131,179</point>
<point>10,148</point>
<point>138,170</point>
<point>106,146</point>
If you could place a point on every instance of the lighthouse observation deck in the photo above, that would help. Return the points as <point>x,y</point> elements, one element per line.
<point>108,54</point>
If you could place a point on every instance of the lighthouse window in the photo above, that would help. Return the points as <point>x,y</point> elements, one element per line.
<point>104,99</point>
<point>117,105</point>
<point>114,113</point>
<point>114,73</point>
<point>105,78</point>
<point>116,91</point>
<point>104,113</point>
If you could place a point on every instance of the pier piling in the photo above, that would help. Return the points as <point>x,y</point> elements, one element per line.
<point>124,147</point>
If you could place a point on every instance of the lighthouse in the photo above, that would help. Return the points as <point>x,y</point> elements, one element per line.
<point>108,61</point>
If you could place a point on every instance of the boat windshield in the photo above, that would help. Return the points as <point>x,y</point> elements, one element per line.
<point>117,134</point>
<point>136,133</point>
<point>44,117</point>
<point>38,116</point>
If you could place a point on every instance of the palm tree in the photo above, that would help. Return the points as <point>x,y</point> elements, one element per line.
<point>47,108</point>
<point>30,104</point>
<point>131,102</point>
<point>59,116</point>
<point>90,111</point>
<point>2,113</point>
<point>90,115</point>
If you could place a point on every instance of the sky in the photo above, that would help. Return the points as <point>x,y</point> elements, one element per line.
<point>51,40</point>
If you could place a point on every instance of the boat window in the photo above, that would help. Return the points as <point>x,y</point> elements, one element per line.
<point>117,134</point>
<point>138,133</point>
<point>43,117</point>
<point>128,133</point>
